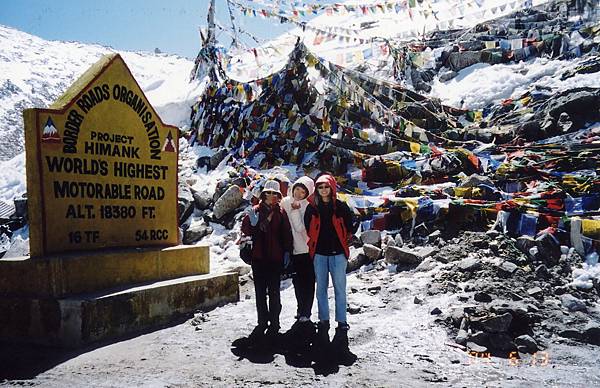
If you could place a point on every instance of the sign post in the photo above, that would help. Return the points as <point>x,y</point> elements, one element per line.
<point>101,167</point>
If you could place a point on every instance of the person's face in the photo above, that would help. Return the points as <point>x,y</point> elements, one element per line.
<point>271,197</point>
<point>324,190</point>
<point>299,193</point>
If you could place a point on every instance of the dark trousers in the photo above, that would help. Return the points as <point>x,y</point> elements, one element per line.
<point>304,283</point>
<point>266,282</point>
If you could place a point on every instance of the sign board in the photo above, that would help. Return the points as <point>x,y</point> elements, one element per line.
<point>101,167</point>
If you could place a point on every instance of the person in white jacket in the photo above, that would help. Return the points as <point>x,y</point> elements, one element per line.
<point>304,275</point>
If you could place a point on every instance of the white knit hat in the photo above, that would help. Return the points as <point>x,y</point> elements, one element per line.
<point>271,185</point>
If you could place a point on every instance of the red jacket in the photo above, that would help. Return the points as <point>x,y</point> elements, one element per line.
<point>341,219</point>
<point>272,239</point>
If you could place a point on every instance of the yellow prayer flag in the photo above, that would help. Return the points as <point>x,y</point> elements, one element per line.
<point>415,147</point>
<point>591,228</point>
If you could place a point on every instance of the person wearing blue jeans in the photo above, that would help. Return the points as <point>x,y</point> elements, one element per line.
<point>329,224</point>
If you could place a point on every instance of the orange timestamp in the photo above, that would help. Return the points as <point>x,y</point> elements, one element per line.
<point>537,359</point>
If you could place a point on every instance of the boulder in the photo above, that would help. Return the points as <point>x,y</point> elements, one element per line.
<point>495,323</point>
<point>535,292</point>
<point>592,333</point>
<point>482,297</point>
<point>202,199</point>
<point>461,337</point>
<point>398,240</point>
<point>372,252</point>
<point>185,202</point>
<point>571,303</point>
<point>548,249</point>
<point>405,256</point>
<point>356,262</point>
<point>372,237</point>
<point>506,268</point>
<point>480,337</point>
<point>195,232</point>
<point>526,344</point>
<point>525,243</point>
<point>542,273</point>
<point>20,207</point>
<point>229,201</point>
<point>469,264</point>
<point>501,342</point>
<point>217,158</point>
<point>435,311</point>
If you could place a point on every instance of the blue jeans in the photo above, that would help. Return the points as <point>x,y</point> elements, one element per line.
<point>336,265</point>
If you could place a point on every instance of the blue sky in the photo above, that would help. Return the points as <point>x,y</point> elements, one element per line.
<point>171,25</point>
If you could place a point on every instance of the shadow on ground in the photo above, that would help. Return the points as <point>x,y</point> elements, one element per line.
<point>298,352</point>
<point>20,361</point>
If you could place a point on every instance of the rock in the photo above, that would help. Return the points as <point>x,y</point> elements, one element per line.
<point>572,303</point>
<point>435,311</point>
<point>561,290</point>
<point>480,243</point>
<point>372,237</point>
<point>526,344</point>
<point>20,207</point>
<point>502,342</point>
<point>461,337</point>
<point>202,199</point>
<point>469,264</point>
<point>482,297</point>
<point>405,256</point>
<point>592,333</point>
<point>417,300</point>
<point>217,158</point>
<point>185,200</point>
<point>472,346</point>
<point>372,252</point>
<point>535,292</point>
<point>435,234</point>
<point>195,232</point>
<point>398,240</point>
<point>480,338</point>
<point>525,243</point>
<point>495,324</point>
<point>426,265</point>
<point>548,249</point>
<point>447,76</point>
<point>353,309</point>
<point>356,262</point>
<point>374,289</point>
<point>507,268</point>
<point>229,201</point>
<point>492,233</point>
<point>542,273</point>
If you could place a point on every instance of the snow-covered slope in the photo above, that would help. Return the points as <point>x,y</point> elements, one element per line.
<point>34,72</point>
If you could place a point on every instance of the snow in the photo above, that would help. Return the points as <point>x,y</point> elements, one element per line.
<point>12,178</point>
<point>482,84</point>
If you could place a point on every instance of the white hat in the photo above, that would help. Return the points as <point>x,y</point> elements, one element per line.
<point>271,185</point>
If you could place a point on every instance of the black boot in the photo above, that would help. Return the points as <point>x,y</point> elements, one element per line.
<point>258,333</point>
<point>340,346</point>
<point>321,346</point>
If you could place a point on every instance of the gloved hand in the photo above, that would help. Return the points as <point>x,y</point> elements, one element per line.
<point>286,260</point>
<point>253,216</point>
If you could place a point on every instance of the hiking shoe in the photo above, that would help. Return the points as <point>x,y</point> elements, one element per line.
<point>258,333</point>
<point>340,346</point>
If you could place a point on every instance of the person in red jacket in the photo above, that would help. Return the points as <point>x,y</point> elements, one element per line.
<point>329,224</point>
<point>268,226</point>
